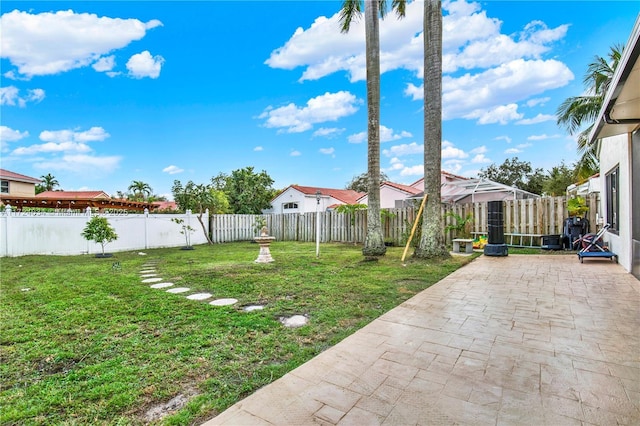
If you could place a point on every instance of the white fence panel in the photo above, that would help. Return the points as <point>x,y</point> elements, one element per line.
<point>32,233</point>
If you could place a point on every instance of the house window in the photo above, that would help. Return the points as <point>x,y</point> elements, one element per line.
<point>290,206</point>
<point>613,199</point>
<point>4,187</point>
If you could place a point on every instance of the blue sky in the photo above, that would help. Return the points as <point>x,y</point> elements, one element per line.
<point>103,93</point>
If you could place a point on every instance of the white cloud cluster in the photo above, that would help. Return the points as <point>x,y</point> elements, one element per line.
<point>502,69</point>
<point>54,42</point>
<point>386,135</point>
<point>66,150</point>
<point>321,109</point>
<point>7,135</point>
<point>10,96</point>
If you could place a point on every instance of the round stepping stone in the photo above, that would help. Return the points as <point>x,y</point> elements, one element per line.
<point>152,280</point>
<point>252,308</point>
<point>178,290</point>
<point>294,321</point>
<point>161,285</point>
<point>223,302</point>
<point>148,275</point>
<point>147,271</point>
<point>199,296</point>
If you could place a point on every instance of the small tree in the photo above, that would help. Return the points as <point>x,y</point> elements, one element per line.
<point>99,230</point>
<point>185,230</point>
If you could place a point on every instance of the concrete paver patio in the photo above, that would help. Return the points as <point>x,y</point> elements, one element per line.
<point>504,340</point>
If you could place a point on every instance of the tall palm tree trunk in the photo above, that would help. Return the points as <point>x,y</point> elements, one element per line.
<point>374,241</point>
<point>432,242</point>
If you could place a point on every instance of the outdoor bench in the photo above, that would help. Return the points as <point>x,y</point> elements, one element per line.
<point>468,245</point>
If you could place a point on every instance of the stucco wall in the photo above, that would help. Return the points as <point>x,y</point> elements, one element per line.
<point>21,189</point>
<point>614,151</point>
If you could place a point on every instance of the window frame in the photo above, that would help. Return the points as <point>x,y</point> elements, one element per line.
<point>287,206</point>
<point>612,208</point>
<point>4,184</point>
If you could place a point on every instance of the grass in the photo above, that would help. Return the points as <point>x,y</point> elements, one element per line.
<point>84,343</point>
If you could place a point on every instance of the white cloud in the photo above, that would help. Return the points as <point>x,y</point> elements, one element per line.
<point>357,137</point>
<point>537,101</point>
<point>172,170</point>
<point>540,118</point>
<point>57,141</point>
<point>327,132</point>
<point>81,164</point>
<point>295,153</point>
<point>326,151</point>
<point>404,149</point>
<point>512,151</point>
<point>258,149</point>
<point>507,139</point>
<point>503,69</point>
<point>54,42</point>
<point>453,166</point>
<point>479,150</point>
<point>104,64</point>
<point>523,145</point>
<point>480,158</point>
<point>143,65</point>
<point>450,151</point>
<point>501,114</point>
<point>52,147</point>
<point>386,135</point>
<point>413,171</point>
<point>7,134</point>
<point>543,137</point>
<point>323,108</point>
<point>10,96</point>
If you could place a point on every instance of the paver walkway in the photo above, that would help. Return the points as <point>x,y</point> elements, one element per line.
<point>505,340</point>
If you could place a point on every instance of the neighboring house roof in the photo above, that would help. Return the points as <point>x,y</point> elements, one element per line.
<point>347,196</point>
<point>408,190</point>
<point>444,177</point>
<point>165,205</point>
<point>6,174</point>
<point>620,111</point>
<point>73,195</point>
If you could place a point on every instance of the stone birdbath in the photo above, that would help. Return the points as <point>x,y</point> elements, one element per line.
<point>264,240</point>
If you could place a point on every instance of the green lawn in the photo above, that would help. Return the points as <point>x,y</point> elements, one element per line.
<point>84,343</point>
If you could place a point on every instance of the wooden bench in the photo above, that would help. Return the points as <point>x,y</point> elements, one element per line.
<point>468,245</point>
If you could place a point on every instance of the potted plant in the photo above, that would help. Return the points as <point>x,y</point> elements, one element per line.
<point>99,231</point>
<point>185,230</point>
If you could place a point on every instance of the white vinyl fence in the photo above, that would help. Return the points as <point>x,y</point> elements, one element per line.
<point>61,233</point>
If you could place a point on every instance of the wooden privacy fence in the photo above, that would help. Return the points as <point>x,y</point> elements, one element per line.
<point>523,219</point>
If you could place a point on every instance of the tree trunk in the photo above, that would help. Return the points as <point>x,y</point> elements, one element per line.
<point>374,241</point>
<point>204,229</point>
<point>432,242</point>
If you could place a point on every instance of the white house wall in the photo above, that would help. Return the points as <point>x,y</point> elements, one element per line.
<point>616,150</point>
<point>388,197</point>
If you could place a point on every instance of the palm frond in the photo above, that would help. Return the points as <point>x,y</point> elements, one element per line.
<point>575,111</point>
<point>400,6</point>
<point>351,10</point>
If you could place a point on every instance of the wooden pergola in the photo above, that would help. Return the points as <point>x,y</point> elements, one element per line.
<point>63,203</point>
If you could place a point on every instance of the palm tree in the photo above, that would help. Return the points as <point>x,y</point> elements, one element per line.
<point>49,182</point>
<point>577,111</point>
<point>432,242</point>
<point>140,190</point>
<point>374,241</point>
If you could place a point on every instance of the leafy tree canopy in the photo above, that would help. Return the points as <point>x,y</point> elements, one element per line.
<point>516,173</point>
<point>248,192</point>
<point>360,183</point>
<point>558,178</point>
<point>49,183</point>
<point>199,198</point>
<point>99,230</point>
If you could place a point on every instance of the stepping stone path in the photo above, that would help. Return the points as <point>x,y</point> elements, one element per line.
<point>148,275</point>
